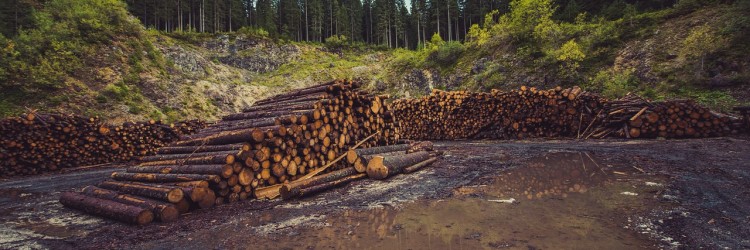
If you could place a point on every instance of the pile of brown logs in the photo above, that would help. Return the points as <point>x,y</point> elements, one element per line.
<point>35,143</point>
<point>554,113</point>
<point>527,112</point>
<point>286,138</point>
<point>375,162</point>
<point>635,117</point>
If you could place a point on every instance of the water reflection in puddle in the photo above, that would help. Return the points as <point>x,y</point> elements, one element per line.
<point>567,201</point>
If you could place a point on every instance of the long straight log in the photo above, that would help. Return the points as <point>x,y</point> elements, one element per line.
<point>198,149</point>
<point>162,157</point>
<point>107,208</point>
<point>163,211</point>
<point>203,160</point>
<point>287,105</point>
<point>151,177</point>
<point>241,135</point>
<point>265,114</point>
<point>295,93</point>
<point>352,155</point>
<point>223,170</point>
<point>382,167</point>
<point>324,186</point>
<point>286,189</point>
<point>169,194</point>
<point>299,99</point>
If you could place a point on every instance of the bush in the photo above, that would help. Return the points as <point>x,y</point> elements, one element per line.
<point>253,32</point>
<point>477,35</point>
<point>615,84</point>
<point>407,59</point>
<point>447,53</point>
<point>65,31</point>
<point>336,42</point>
<point>696,46</point>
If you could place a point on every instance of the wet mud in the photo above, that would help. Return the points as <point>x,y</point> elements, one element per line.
<point>481,195</point>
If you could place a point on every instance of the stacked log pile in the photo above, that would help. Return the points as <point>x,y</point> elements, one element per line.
<point>522,113</point>
<point>529,113</point>
<point>286,138</point>
<point>35,143</point>
<point>635,117</point>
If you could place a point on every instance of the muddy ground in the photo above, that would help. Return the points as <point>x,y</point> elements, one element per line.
<point>558,194</point>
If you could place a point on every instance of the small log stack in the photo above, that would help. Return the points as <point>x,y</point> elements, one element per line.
<point>35,143</point>
<point>554,113</point>
<point>278,140</point>
<point>635,117</point>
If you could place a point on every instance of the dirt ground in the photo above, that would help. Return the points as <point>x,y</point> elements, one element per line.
<point>537,194</point>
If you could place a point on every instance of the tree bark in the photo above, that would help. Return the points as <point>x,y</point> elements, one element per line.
<point>107,208</point>
<point>169,194</point>
<point>163,211</point>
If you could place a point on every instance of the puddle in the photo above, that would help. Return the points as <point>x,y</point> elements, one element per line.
<point>560,201</point>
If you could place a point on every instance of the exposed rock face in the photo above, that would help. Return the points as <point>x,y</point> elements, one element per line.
<point>191,63</point>
<point>256,55</point>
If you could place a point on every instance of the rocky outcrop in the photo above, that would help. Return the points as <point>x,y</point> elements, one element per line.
<point>253,54</point>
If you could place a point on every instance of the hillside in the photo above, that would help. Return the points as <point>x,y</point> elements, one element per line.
<point>97,59</point>
<point>692,50</point>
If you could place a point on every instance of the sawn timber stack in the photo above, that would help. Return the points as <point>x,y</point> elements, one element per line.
<point>276,141</point>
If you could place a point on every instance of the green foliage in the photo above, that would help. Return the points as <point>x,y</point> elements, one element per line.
<point>615,84</point>
<point>570,55</point>
<point>435,42</point>
<point>446,54</point>
<point>189,36</point>
<point>477,35</point>
<point>253,32</point>
<point>64,32</point>
<point>407,59</point>
<point>336,42</point>
<point>718,99</point>
<point>525,15</point>
<point>701,42</point>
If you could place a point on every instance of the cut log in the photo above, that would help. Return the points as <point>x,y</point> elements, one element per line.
<point>300,192</point>
<point>198,149</point>
<point>224,170</point>
<point>382,167</point>
<point>170,194</point>
<point>107,208</point>
<point>203,160</point>
<point>150,177</point>
<point>286,189</point>
<point>163,211</point>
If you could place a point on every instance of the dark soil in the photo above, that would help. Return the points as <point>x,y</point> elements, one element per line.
<point>626,194</point>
